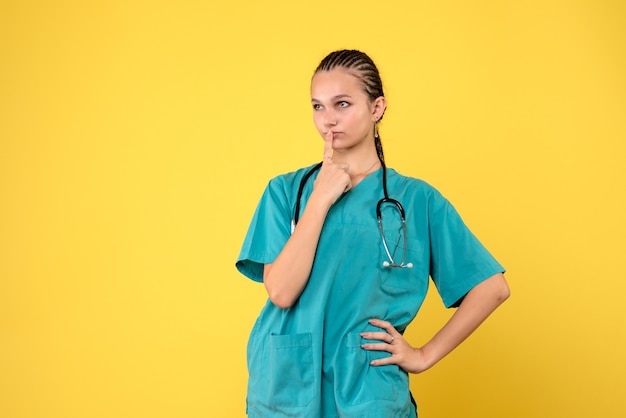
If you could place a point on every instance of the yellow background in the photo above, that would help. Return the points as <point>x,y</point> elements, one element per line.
<point>137,136</point>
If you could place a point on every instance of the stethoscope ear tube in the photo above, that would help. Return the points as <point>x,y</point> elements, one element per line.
<point>296,214</point>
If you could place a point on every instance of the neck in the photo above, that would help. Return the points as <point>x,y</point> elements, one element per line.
<point>360,161</point>
<point>370,168</point>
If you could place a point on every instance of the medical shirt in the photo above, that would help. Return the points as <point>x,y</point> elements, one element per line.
<point>306,361</point>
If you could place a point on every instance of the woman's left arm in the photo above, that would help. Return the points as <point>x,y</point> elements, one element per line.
<point>477,305</point>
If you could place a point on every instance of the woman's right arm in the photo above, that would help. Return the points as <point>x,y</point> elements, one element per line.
<point>287,276</point>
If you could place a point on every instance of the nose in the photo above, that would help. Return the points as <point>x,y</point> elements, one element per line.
<point>330,118</point>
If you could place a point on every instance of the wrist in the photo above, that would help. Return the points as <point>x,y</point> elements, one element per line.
<point>319,202</point>
<point>427,358</point>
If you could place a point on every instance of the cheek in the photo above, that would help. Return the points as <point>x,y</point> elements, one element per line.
<point>356,122</point>
<point>318,121</point>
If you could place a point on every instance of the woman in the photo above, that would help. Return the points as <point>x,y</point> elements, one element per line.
<point>346,275</point>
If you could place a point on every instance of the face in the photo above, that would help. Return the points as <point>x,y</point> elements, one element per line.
<point>341,106</point>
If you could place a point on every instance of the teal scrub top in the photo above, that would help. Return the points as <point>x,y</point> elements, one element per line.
<point>306,361</point>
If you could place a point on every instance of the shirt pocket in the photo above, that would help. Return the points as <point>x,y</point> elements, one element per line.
<point>359,383</point>
<point>283,377</point>
<point>396,280</point>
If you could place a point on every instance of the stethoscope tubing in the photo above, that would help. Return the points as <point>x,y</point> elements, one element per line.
<point>379,204</point>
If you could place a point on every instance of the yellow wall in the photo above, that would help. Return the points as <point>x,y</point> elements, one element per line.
<point>136,138</point>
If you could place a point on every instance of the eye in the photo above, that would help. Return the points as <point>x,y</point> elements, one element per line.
<point>317,106</point>
<point>343,103</point>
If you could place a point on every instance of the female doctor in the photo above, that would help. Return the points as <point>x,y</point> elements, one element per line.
<point>345,249</point>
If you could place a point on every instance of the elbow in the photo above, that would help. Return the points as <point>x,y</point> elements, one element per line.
<point>502,292</point>
<point>494,290</point>
<point>282,305</point>
<point>503,295</point>
<point>281,301</point>
<point>279,297</point>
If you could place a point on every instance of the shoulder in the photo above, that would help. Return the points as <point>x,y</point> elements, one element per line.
<point>289,182</point>
<point>293,176</point>
<point>418,193</point>
<point>412,185</point>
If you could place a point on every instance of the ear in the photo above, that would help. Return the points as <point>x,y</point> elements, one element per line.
<point>378,108</point>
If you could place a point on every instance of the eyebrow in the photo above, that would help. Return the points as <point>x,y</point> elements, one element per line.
<point>334,98</point>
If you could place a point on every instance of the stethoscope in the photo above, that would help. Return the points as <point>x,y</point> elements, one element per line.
<point>385,200</point>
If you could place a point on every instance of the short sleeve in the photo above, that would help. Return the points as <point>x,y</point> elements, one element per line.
<point>458,260</point>
<point>268,232</point>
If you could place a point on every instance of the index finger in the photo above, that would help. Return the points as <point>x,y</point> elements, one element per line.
<point>387,326</point>
<point>328,144</point>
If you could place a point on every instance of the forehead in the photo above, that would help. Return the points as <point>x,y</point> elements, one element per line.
<point>338,81</point>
